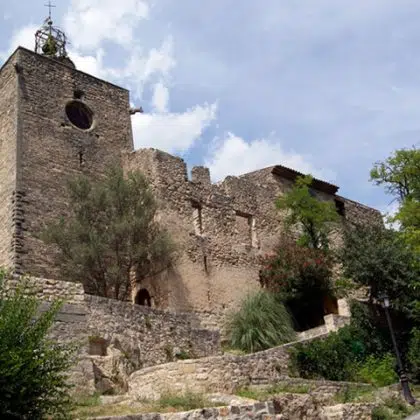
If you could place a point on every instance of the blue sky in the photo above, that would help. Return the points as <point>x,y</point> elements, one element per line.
<point>323,86</point>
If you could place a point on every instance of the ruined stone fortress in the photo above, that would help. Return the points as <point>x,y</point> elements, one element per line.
<point>56,122</point>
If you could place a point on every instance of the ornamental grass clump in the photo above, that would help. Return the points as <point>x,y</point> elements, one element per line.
<point>261,322</point>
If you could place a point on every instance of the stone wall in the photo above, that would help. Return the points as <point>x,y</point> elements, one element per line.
<point>8,132</point>
<point>154,336</point>
<point>217,263</point>
<point>212,374</point>
<point>221,229</point>
<point>151,336</point>
<point>48,289</point>
<point>257,411</point>
<point>119,334</point>
<point>288,407</point>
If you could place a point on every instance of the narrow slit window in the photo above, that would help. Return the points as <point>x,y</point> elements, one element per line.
<point>197,218</point>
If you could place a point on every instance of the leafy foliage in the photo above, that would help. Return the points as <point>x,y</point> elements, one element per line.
<point>32,366</point>
<point>301,277</point>
<point>379,258</point>
<point>294,271</point>
<point>112,233</point>
<point>313,215</point>
<point>262,322</point>
<point>400,174</point>
<point>393,408</point>
<point>378,371</point>
<point>336,356</point>
<point>414,354</point>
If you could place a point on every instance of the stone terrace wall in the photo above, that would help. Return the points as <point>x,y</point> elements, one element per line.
<point>257,411</point>
<point>212,374</point>
<point>48,289</point>
<point>152,336</point>
<point>291,406</point>
<point>148,335</point>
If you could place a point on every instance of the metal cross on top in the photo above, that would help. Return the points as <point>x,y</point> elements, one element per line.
<point>50,6</point>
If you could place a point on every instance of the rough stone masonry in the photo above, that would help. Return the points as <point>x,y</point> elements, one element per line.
<point>221,229</point>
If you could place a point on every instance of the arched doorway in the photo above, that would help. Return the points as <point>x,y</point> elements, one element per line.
<point>143,298</point>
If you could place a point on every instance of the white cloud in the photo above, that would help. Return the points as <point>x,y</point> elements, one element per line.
<point>172,132</point>
<point>160,97</point>
<point>160,60</point>
<point>24,37</point>
<point>139,70</point>
<point>232,155</point>
<point>90,64</point>
<point>90,22</point>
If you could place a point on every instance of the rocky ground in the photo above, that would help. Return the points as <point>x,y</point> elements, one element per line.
<point>311,400</point>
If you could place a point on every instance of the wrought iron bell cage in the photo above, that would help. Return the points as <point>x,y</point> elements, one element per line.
<point>50,40</point>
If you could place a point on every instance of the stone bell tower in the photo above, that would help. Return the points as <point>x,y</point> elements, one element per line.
<point>55,122</point>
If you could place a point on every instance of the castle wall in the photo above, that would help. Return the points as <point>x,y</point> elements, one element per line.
<point>53,149</point>
<point>217,262</point>
<point>146,336</point>
<point>8,133</point>
<point>221,230</point>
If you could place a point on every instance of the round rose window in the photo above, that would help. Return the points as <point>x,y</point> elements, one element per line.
<point>79,114</point>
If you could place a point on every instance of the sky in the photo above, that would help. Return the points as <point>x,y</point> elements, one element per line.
<point>326,87</point>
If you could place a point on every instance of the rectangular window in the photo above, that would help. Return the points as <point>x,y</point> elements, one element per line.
<point>245,227</point>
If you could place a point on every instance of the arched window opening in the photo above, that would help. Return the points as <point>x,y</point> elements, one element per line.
<point>143,298</point>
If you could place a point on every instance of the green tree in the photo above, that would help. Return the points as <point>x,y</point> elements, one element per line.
<point>111,234</point>
<point>261,322</point>
<point>33,378</point>
<point>313,215</point>
<point>400,175</point>
<point>380,259</point>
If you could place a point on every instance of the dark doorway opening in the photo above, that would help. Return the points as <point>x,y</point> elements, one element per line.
<point>309,313</point>
<point>143,298</point>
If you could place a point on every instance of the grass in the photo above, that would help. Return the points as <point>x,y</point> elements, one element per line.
<point>392,409</point>
<point>266,393</point>
<point>169,402</point>
<point>355,394</point>
<point>104,410</point>
<point>226,348</point>
<point>182,402</point>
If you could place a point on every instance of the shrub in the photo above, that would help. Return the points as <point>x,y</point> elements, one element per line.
<point>414,354</point>
<point>335,356</point>
<point>378,371</point>
<point>262,322</point>
<point>32,366</point>
<point>392,409</point>
<point>295,272</point>
<point>381,413</point>
<point>301,276</point>
<point>331,358</point>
